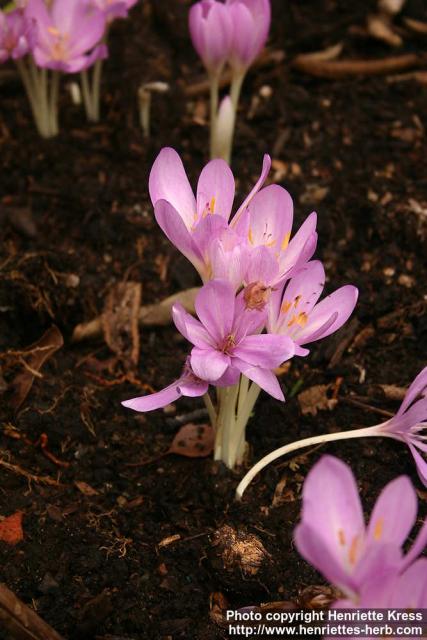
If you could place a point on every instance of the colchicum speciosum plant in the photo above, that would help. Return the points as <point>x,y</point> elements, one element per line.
<point>47,39</point>
<point>366,563</point>
<point>259,303</point>
<point>228,34</point>
<point>409,425</point>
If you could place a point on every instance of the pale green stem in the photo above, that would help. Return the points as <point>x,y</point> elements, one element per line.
<point>96,90</point>
<point>86,93</point>
<point>214,91</point>
<point>366,432</point>
<point>53,103</point>
<point>211,409</point>
<point>229,425</point>
<point>27,81</point>
<point>243,416</point>
<point>220,392</point>
<point>43,98</point>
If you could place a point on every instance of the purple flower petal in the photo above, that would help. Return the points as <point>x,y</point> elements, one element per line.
<point>264,378</point>
<point>191,328</point>
<point>155,400</point>
<point>175,230</point>
<point>209,364</point>
<point>394,513</point>
<point>341,303</point>
<point>271,216</point>
<point>266,165</point>
<point>266,350</point>
<point>215,190</point>
<point>215,308</point>
<point>168,181</point>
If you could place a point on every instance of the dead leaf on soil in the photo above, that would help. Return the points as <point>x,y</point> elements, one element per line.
<point>33,358</point>
<point>120,320</point>
<point>193,441</point>
<point>392,392</point>
<point>11,529</point>
<point>86,489</point>
<point>316,399</point>
<point>281,494</point>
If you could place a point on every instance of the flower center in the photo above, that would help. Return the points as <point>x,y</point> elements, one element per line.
<point>228,344</point>
<point>256,295</point>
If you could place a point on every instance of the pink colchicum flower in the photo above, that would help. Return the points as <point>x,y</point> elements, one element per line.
<point>294,310</point>
<point>258,234</point>
<point>266,222</point>
<point>68,34</point>
<point>226,341</point>
<point>332,535</point>
<point>192,223</point>
<point>251,23</point>
<point>16,35</point>
<point>187,385</point>
<point>409,425</point>
<point>113,8</point>
<point>211,31</point>
<point>407,590</point>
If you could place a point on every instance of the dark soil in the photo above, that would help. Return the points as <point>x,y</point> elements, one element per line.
<point>94,566</point>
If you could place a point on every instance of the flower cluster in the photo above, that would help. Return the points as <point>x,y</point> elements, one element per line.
<point>232,33</point>
<point>66,36</point>
<point>367,563</point>
<point>259,304</point>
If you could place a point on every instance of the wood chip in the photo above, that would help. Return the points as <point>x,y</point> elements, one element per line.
<point>11,530</point>
<point>120,321</point>
<point>20,622</point>
<point>345,68</point>
<point>169,540</point>
<point>316,399</point>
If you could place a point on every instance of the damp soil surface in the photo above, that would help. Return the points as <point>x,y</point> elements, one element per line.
<point>121,540</point>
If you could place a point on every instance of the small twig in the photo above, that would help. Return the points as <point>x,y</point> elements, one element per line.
<point>344,68</point>
<point>368,407</point>
<point>29,476</point>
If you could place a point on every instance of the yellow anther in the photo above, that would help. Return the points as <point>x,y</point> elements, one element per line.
<point>285,241</point>
<point>212,205</point>
<point>378,529</point>
<point>296,301</point>
<point>341,537</point>
<point>250,236</point>
<point>285,306</point>
<point>352,553</point>
<point>300,318</point>
<point>54,31</point>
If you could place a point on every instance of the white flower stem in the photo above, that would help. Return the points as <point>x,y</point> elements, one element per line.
<point>42,88</point>
<point>235,405</point>
<point>236,87</point>
<point>365,432</point>
<point>211,409</point>
<point>214,99</point>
